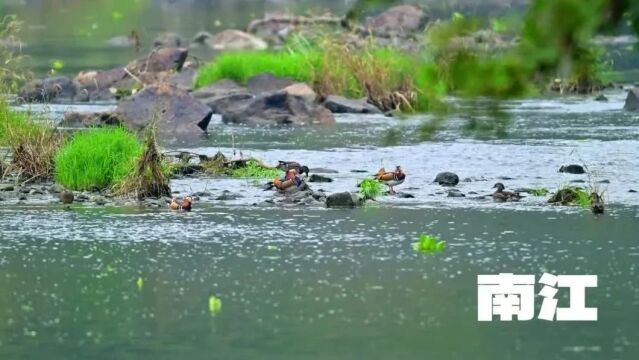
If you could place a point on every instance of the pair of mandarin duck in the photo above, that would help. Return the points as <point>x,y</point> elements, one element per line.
<point>294,175</point>
<point>500,195</point>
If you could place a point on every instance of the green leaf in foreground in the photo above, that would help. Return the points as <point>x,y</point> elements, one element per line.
<point>215,305</point>
<point>429,244</point>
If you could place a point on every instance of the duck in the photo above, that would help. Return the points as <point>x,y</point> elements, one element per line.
<point>293,165</point>
<point>185,205</point>
<point>596,203</point>
<point>504,196</point>
<point>391,178</point>
<point>291,181</point>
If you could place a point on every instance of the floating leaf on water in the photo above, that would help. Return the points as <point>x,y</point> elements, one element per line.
<point>140,283</point>
<point>429,244</point>
<point>57,65</point>
<point>215,305</point>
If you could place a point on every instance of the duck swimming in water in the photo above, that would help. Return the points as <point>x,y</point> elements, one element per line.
<point>504,196</point>
<point>183,205</point>
<point>391,178</point>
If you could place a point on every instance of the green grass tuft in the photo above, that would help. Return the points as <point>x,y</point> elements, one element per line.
<point>97,159</point>
<point>241,66</point>
<point>429,244</point>
<point>254,169</point>
<point>370,189</point>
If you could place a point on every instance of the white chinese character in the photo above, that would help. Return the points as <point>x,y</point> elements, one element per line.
<point>577,310</point>
<point>505,295</point>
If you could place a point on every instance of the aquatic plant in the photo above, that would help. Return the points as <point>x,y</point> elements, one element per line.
<point>253,168</point>
<point>97,159</point>
<point>571,195</point>
<point>33,143</point>
<point>148,178</point>
<point>538,191</point>
<point>370,189</point>
<point>215,305</point>
<point>429,244</point>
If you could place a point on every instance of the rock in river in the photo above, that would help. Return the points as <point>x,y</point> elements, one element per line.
<point>49,89</point>
<point>572,169</point>
<point>278,108</point>
<point>341,105</point>
<point>176,110</point>
<point>267,83</point>
<point>632,100</point>
<point>230,40</point>
<point>447,179</point>
<point>399,20</point>
<point>315,178</point>
<point>343,200</point>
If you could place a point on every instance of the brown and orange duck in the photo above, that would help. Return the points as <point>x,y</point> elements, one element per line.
<point>181,205</point>
<point>391,178</point>
<point>291,181</point>
<point>293,165</point>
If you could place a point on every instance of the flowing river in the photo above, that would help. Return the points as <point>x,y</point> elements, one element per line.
<point>307,282</point>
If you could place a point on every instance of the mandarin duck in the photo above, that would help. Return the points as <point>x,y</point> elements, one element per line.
<point>183,205</point>
<point>292,165</point>
<point>596,203</point>
<point>290,181</point>
<point>504,196</point>
<point>391,178</point>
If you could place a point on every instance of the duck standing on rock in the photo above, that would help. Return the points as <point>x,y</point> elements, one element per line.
<point>505,196</point>
<point>184,205</point>
<point>292,165</point>
<point>391,178</point>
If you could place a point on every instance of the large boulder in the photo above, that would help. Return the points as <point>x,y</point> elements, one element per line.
<point>341,105</point>
<point>572,169</point>
<point>278,108</point>
<point>267,83</point>
<point>162,59</point>
<point>96,85</point>
<point>219,88</point>
<point>447,179</point>
<point>301,90</point>
<point>399,20</point>
<point>49,89</point>
<point>176,110</point>
<point>276,28</point>
<point>88,119</point>
<point>230,40</point>
<point>343,200</point>
<point>632,100</point>
<point>225,103</point>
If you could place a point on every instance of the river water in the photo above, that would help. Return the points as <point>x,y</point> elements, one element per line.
<point>313,283</point>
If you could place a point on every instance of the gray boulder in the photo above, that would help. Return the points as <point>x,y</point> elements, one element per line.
<point>176,110</point>
<point>399,20</point>
<point>96,85</point>
<point>315,178</point>
<point>278,109</point>
<point>227,103</point>
<point>341,105</point>
<point>219,88</point>
<point>49,89</point>
<point>632,100</point>
<point>162,59</point>
<point>447,179</point>
<point>572,169</point>
<point>230,40</point>
<point>343,200</point>
<point>267,83</point>
<point>88,119</point>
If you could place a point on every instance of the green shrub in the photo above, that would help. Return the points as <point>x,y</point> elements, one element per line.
<point>97,159</point>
